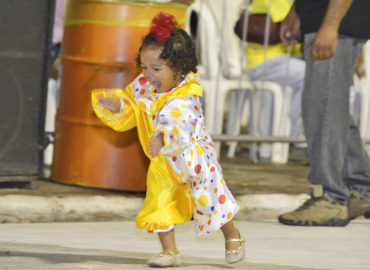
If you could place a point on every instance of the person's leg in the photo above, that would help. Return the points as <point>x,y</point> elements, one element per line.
<point>325,110</point>
<point>230,232</point>
<point>235,250</point>
<point>170,256</point>
<point>168,242</point>
<point>357,163</point>
<point>326,119</point>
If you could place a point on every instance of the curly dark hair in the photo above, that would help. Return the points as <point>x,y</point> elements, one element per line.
<point>178,51</point>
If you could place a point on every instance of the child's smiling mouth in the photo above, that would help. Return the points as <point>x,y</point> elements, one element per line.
<point>156,84</point>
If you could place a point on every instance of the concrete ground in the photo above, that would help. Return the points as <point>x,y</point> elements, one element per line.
<point>262,191</point>
<point>38,232</point>
<point>119,245</point>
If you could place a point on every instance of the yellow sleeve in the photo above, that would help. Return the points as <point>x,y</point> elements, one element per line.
<point>121,121</point>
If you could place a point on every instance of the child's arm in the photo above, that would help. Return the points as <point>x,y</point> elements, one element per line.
<point>112,104</point>
<point>155,144</point>
<point>178,122</point>
<point>114,108</point>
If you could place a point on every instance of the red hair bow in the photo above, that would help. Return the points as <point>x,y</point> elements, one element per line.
<point>163,24</point>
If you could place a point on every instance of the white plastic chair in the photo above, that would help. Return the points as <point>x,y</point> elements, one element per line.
<point>281,125</point>
<point>216,85</point>
<point>220,47</point>
<point>280,121</point>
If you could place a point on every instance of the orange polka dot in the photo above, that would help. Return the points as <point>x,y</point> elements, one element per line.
<point>215,190</point>
<point>189,163</point>
<point>205,188</point>
<point>142,91</point>
<point>198,169</point>
<point>229,215</point>
<point>222,199</point>
<point>143,80</point>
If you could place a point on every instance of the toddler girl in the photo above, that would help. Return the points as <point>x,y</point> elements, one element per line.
<point>184,178</point>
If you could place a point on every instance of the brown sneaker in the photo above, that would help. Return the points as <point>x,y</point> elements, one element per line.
<point>317,211</point>
<point>358,205</point>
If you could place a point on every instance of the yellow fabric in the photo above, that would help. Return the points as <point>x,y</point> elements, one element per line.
<point>168,200</point>
<point>254,51</point>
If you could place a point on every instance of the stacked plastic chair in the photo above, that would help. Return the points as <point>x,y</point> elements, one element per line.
<point>218,68</point>
<point>223,61</point>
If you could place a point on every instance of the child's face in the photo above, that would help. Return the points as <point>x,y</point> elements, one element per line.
<point>156,70</point>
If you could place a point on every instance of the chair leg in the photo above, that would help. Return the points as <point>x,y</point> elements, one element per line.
<point>253,116</point>
<point>278,98</point>
<point>280,151</point>
<point>232,123</point>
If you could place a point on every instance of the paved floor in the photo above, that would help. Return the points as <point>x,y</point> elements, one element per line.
<point>262,191</point>
<point>119,245</point>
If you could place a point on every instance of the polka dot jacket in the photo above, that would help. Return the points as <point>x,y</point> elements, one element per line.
<point>187,163</point>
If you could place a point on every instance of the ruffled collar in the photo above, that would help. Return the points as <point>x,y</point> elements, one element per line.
<point>151,102</point>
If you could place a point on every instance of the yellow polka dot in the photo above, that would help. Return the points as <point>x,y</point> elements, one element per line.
<point>176,113</point>
<point>199,149</point>
<point>175,131</point>
<point>203,200</point>
<point>222,181</point>
<point>191,152</point>
<point>183,105</point>
<point>142,105</point>
<point>215,212</point>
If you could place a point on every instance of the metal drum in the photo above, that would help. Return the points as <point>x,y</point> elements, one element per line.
<point>99,50</point>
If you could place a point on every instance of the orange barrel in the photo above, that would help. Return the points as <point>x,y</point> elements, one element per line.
<point>100,47</point>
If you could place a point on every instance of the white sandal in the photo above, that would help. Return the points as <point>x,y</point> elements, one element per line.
<point>235,255</point>
<point>165,259</point>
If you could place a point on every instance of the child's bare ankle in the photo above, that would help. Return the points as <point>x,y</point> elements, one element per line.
<point>170,251</point>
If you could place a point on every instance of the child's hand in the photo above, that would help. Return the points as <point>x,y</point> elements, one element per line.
<point>112,104</point>
<point>155,144</point>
